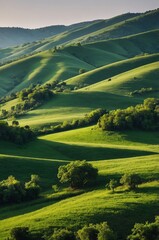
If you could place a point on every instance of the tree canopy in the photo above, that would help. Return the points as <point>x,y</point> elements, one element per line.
<point>77,173</point>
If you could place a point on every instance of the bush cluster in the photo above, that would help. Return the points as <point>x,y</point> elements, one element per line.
<point>14,191</point>
<point>29,98</point>
<point>14,133</point>
<point>144,116</point>
<point>101,231</point>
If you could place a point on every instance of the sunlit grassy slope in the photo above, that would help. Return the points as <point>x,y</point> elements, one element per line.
<point>74,105</point>
<point>112,153</point>
<point>63,64</point>
<point>95,206</point>
<point>145,76</point>
<point>94,31</point>
<point>69,33</point>
<point>111,70</point>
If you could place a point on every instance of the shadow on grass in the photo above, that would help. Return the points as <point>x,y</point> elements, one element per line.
<point>138,136</point>
<point>45,149</point>
<point>91,153</point>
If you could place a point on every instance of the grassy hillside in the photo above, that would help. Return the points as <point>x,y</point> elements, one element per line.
<point>145,76</point>
<point>40,68</point>
<point>112,153</point>
<point>17,36</point>
<point>98,73</point>
<point>111,70</point>
<point>94,31</point>
<point>63,64</point>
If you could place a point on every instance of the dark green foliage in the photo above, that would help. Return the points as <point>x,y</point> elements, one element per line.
<point>131,181</point>
<point>144,116</point>
<point>32,187</point>
<point>14,191</point>
<point>11,191</point>
<point>147,231</point>
<point>88,233</point>
<point>96,232</point>
<point>20,233</point>
<point>14,133</point>
<point>30,98</point>
<point>63,234</point>
<point>78,174</point>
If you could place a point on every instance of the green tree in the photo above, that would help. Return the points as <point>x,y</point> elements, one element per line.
<point>100,231</point>
<point>20,233</point>
<point>63,234</point>
<point>112,185</point>
<point>131,181</point>
<point>147,231</point>
<point>78,174</point>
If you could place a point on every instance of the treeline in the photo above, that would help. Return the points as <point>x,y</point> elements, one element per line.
<point>142,116</point>
<point>100,231</point>
<point>89,119</point>
<point>143,91</point>
<point>15,191</point>
<point>29,99</point>
<point>15,133</point>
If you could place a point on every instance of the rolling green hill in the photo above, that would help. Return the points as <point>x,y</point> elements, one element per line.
<point>108,207</point>
<point>100,63</point>
<point>94,31</point>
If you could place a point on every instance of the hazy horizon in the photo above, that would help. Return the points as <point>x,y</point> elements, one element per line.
<point>41,13</point>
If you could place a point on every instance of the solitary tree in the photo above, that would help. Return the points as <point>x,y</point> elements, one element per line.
<point>112,185</point>
<point>78,174</point>
<point>131,181</point>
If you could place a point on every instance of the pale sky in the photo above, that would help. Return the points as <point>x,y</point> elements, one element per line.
<point>40,13</point>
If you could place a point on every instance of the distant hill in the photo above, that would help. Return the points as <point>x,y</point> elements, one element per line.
<point>29,40</point>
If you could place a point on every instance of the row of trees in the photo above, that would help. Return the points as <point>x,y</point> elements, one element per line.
<point>101,231</point>
<point>29,98</point>
<point>15,133</point>
<point>88,120</point>
<point>143,91</point>
<point>15,191</point>
<point>143,116</point>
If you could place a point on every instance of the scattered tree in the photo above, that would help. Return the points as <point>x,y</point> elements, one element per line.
<point>78,174</point>
<point>131,181</point>
<point>112,185</point>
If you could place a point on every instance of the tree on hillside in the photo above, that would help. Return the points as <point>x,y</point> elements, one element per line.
<point>131,181</point>
<point>100,231</point>
<point>147,231</point>
<point>20,233</point>
<point>63,234</point>
<point>78,174</point>
<point>112,185</point>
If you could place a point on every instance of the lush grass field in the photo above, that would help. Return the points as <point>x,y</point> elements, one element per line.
<point>145,76</point>
<point>97,205</point>
<point>112,153</point>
